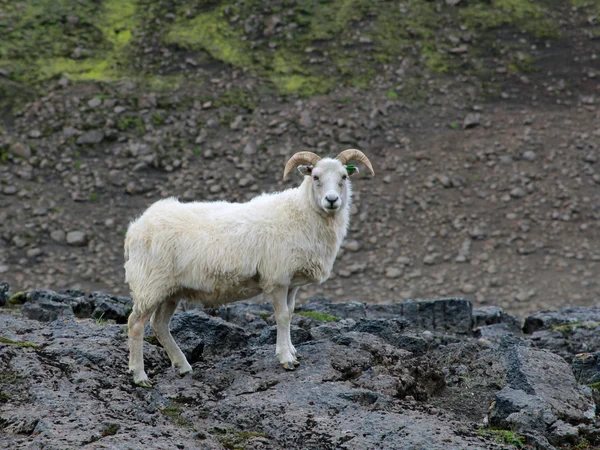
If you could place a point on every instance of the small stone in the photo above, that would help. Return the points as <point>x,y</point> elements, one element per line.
<point>250,147</point>
<point>237,123</point>
<point>33,252</point>
<point>430,259</point>
<point>94,103</point>
<point>21,150</point>
<point>9,190</point>
<point>403,260</point>
<point>529,155</point>
<point>215,188</point>
<point>468,288</point>
<point>35,134</point>
<point>91,137</point>
<point>393,272</point>
<point>472,120</point>
<point>345,138</point>
<point>76,238</point>
<point>518,192</point>
<point>305,120</point>
<point>352,245</point>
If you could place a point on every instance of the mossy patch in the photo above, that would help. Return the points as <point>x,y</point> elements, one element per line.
<point>234,439</point>
<point>504,437</point>
<point>173,413</point>
<point>18,298</point>
<point>567,328</point>
<point>319,316</point>
<point>110,429</point>
<point>20,344</point>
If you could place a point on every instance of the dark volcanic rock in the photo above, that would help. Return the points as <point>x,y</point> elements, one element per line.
<point>540,390</point>
<point>201,335</point>
<point>492,315</point>
<point>109,307</point>
<point>450,315</point>
<point>3,293</point>
<point>363,382</point>
<point>548,319</point>
<point>97,305</point>
<point>586,368</point>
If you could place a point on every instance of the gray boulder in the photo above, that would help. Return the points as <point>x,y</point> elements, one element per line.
<point>541,390</point>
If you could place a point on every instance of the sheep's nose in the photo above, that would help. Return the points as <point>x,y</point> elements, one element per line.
<point>331,198</point>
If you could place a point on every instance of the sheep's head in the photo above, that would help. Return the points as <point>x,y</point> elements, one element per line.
<point>329,183</point>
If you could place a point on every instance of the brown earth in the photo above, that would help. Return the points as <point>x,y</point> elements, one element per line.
<point>494,198</point>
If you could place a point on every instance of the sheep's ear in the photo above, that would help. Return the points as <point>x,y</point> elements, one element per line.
<point>351,170</point>
<point>305,170</point>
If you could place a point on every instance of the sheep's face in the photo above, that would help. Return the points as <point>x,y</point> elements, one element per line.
<point>329,184</point>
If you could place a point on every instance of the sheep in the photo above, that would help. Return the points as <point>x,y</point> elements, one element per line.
<point>219,252</point>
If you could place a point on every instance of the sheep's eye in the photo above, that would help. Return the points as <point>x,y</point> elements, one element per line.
<point>344,177</point>
<point>316,178</point>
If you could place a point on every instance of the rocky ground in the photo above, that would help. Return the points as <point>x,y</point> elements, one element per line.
<point>411,375</point>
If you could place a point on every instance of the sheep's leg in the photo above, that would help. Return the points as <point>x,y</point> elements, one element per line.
<point>291,304</point>
<point>160,325</point>
<point>279,299</point>
<point>136,324</point>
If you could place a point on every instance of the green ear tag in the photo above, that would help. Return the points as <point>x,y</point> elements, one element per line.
<point>350,169</point>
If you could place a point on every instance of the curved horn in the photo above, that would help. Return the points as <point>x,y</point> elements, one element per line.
<point>356,155</point>
<point>299,158</point>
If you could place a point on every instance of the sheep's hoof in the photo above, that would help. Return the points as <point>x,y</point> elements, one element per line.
<point>288,365</point>
<point>183,371</point>
<point>296,363</point>
<point>143,382</point>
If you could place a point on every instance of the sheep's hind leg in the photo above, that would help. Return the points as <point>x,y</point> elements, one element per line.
<point>282,316</point>
<point>136,324</point>
<point>291,304</point>
<point>160,326</point>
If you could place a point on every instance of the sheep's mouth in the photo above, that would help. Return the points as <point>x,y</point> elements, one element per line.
<point>331,208</point>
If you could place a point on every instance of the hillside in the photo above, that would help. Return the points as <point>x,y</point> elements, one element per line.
<point>481,119</point>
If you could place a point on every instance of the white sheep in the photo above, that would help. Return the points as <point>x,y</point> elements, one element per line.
<point>219,252</point>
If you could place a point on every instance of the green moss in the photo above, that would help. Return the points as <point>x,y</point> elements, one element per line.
<point>234,439</point>
<point>21,344</point>
<point>4,397</point>
<point>319,316</point>
<point>18,298</point>
<point>130,122</point>
<point>595,386</point>
<point>211,32</point>
<point>152,340</point>
<point>583,444</point>
<point>157,120</point>
<point>531,17</point>
<point>111,429</point>
<point>567,328</point>
<point>9,377</point>
<point>173,413</point>
<point>237,97</point>
<point>504,437</point>
<point>265,315</point>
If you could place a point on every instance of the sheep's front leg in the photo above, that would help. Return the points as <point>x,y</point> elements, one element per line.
<point>279,298</point>
<point>291,303</point>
